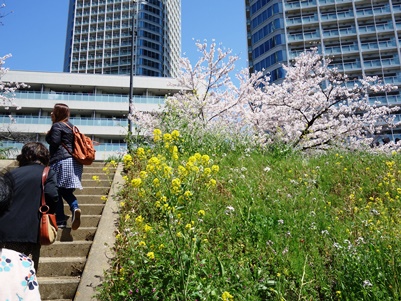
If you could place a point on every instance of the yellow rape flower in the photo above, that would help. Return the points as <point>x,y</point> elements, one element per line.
<point>157,135</point>
<point>207,171</point>
<point>122,204</point>
<point>139,219</point>
<point>211,183</point>
<point>179,234</point>
<point>140,152</point>
<point>205,159</point>
<point>167,137</point>
<point>176,182</point>
<point>188,226</point>
<point>141,192</point>
<point>188,194</point>
<point>201,212</point>
<point>127,157</point>
<point>175,153</point>
<point>143,174</point>
<point>182,171</point>
<point>154,161</point>
<point>96,178</point>
<point>167,171</point>
<point>226,296</point>
<point>175,134</point>
<point>142,243</point>
<point>156,182</point>
<point>151,255</point>
<point>136,182</point>
<point>103,197</point>
<point>215,168</point>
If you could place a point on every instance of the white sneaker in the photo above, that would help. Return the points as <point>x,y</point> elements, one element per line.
<point>76,219</point>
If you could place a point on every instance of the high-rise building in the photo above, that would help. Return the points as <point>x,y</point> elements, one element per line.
<point>102,33</point>
<point>363,37</point>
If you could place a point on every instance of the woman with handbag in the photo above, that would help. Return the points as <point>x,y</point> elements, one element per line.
<point>68,170</point>
<point>17,272</point>
<point>20,223</point>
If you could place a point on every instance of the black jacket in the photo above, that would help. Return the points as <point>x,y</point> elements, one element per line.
<point>20,223</point>
<point>60,133</point>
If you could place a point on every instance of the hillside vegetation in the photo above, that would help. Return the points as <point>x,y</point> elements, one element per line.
<point>225,222</point>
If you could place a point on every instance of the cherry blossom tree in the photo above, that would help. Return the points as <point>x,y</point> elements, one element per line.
<point>210,102</point>
<point>315,106</point>
<point>7,89</point>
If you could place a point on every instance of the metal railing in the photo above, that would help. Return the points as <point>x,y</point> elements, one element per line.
<point>87,97</point>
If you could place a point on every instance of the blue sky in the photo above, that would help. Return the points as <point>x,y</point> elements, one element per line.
<point>34,33</point>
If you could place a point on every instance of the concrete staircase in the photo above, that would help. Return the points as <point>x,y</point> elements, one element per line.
<point>61,264</point>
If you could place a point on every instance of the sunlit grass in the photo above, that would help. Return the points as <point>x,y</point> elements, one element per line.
<point>244,224</point>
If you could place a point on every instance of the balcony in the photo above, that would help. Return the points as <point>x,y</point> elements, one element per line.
<point>303,4</point>
<point>379,63</point>
<point>304,36</point>
<point>78,121</point>
<point>380,45</point>
<point>65,97</point>
<point>373,12</point>
<point>334,16</point>
<point>347,66</point>
<point>373,28</point>
<point>389,100</point>
<point>302,20</point>
<point>341,49</point>
<point>339,32</point>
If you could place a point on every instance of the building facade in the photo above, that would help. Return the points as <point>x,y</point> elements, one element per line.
<point>98,103</point>
<point>104,36</point>
<point>363,37</point>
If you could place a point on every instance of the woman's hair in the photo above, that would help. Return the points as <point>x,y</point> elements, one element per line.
<point>6,191</point>
<point>33,152</point>
<point>61,112</point>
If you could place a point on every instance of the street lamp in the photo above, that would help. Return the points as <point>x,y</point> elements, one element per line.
<point>134,25</point>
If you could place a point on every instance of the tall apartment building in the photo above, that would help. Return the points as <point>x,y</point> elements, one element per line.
<point>102,33</point>
<point>363,37</point>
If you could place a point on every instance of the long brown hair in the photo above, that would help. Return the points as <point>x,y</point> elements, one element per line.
<point>61,112</point>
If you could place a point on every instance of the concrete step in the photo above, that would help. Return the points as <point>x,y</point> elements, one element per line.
<point>62,263</point>
<point>86,220</point>
<point>83,233</point>
<point>91,199</point>
<point>66,248</point>
<point>56,288</point>
<point>94,190</point>
<point>98,169</point>
<point>95,183</point>
<point>86,209</point>
<point>100,175</point>
<point>61,266</point>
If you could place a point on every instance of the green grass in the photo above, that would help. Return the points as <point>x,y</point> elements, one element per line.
<point>275,225</point>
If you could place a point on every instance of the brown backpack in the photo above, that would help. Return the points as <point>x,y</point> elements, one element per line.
<point>84,152</point>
